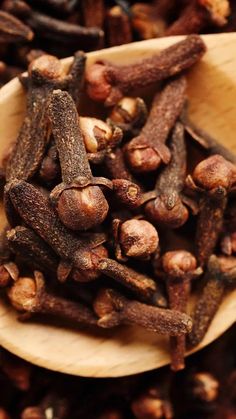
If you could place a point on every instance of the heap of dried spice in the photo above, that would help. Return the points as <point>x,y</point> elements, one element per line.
<point>29,28</point>
<point>102,212</point>
<point>206,389</point>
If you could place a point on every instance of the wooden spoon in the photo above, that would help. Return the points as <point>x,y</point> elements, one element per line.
<point>127,350</point>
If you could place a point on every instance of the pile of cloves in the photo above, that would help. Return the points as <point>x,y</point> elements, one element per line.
<point>205,389</point>
<point>102,214</point>
<point>29,28</point>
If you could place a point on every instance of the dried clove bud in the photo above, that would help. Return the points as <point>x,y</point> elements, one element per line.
<point>146,152</point>
<point>146,21</point>
<point>34,251</point>
<point>58,30</point>
<point>198,14</point>
<point>208,302</point>
<point>36,211</point>
<point>45,74</point>
<point>98,135</point>
<point>49,169</point>
<point>212,178</point>
<point>114,309</point>
<point>134,238</point>
<point>29,295</point>
<point>129,114</point>
<point>13,30</point>
<point>109,83</point>
<point>118,27</point>
<point>169,208</point>
<point>145,288</point>
<point>79,200</point>
<point>180,267</point>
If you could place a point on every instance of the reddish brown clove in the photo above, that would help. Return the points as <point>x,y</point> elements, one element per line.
<point>114,309</point>
<point>208,302</point>
<point>134,238</point>
<point>145,288</point>
<point>118,27</point>
<point>180,267</point>
<point>34,251</point>
<point>109,83</point>
<point>29,295</point>
<point>212,178</point>
<point>37,213</point>
<point>198,14</point>
<point>146,21</point>
<point>79,200</point>
<point>45,74</point>
<point>129,114</point>
<point>169,208</point>
<point>98,135</point>
<point>93,13</point>
<point>146,152</point>
<point>13,30</point>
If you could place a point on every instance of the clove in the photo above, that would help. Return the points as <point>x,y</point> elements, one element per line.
<point>79,200</point>
<point>108,83</point>
<point>168,208</point>
<point>212,179</point>
<point>114,309</point>
<point>180,267</point>
<point>146,152</point>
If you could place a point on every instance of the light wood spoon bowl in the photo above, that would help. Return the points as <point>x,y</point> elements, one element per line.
<point>127,350</point>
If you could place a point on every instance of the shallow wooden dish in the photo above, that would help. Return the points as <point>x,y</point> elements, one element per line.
<point>124,351</point>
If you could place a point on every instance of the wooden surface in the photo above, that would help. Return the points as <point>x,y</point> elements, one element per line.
<point>124,351</point>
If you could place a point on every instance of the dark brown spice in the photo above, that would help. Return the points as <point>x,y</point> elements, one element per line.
<point>58,30</point>
<point>99,135</point>
<point>109,83</point>
<point>114,309</point>
<point>13,30</point>
<point>93,13</point>
<point>34,251</point>
<point>29,295</point>
<point>129,114</point>
<point>37,213</point>
<point>147,151</point>
<point>212,178</point>
<point>198,14</point>
<point>146,21</point>
<point>134,238</point>
<point>79,201</point>
<point>169,208</point>
<point>180,267</point>
<point>118,27</point>
<point>208,302</point>
<point>45,74</point>
<point>145,288</point>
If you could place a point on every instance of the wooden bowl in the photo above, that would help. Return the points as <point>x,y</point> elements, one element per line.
<point>125,350</point>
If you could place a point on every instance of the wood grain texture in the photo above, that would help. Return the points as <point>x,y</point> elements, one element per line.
<point>124,351</point>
